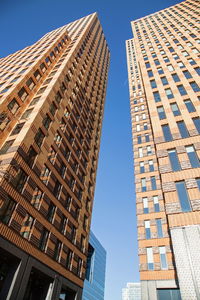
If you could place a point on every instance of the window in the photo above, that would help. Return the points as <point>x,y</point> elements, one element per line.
<point>138,127</point>
<point>45,174</point>
<point>39,137</point>
<point>20,180</point>
<point>6,147</point>
<point>182,90</point>
<point>153,183</point>
<point>156,204</point>
<point>194,86</point>
<point>197,70</point>
<point>171,49</point>
<point>170,68</point>
<point>46,122</point>
<point>50,212</point>
<point>189,105</point>
<point>27,113</point>
<point>163,258</point>
<point>159,228</point>
<point>150,73</point>
<point>140,152</point>
<point>153,84</point>
<point>181,65</point>
<point>160,71</point>
<point>17,128</point>
<point>175,56</point>
<point>169,93</point>
<point>164,80</point>
<point>13,106</point>
<point>192,62</point>
<point>145,205</point>
<point>37,197</point>
<point>57,188</point>
<point>144,116</point>
<point>198,183</point>
<point>139,139</point>
<point>167,133</point>
<point>31,155</point>
<point>69,259</point>
<point>149,151</point>
<point>175,109</point>
<point>157,63</point>
<point>52,109</point>
<point>175,77</point>
<point>161,113</point>
<point>6,209</point>
<point>145,126</point>
<point>173,157</point>
<point>187,74</point>
<point>194,160</point>
<point>197,123</point>
<point>30,83</point>
<point>147,229</point>
<point>182,129</point>
<point>183,196</point>
<point>156,96</point>
<point>142,170</point>
<point>27,226</point>
<point>23,94</point>
<point>147,139</point>
<point>150,258</point>
<point>147,64</point>
<point>168,294</point>
<point>143,184</point>
<point>151,166</point>
<point>43,239</point>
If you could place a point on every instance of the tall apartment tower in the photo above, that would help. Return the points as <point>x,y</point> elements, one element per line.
<point>163,73</point>
<point>51,108</point>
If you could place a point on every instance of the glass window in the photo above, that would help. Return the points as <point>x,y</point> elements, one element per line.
<point>27,226</point>
<point>147,64</point>
<point>153,183</point>
<point>138,127</point>
<point>20,180</point>
<point>194,86</point>
<point>170,68</point>
<point>175,109</point>
<point>142,170</point>
<point>191,61</point>
<point>187,74</point>
<point>39,137</point>
<point>198,183</point>
<point>169,93</point>
<point>151,166</point>
<point>163,258</point>
<point>147,139</point>
<point>140,152</point>
<point>175,77</point>
<point>145,126</point>
<point>157,63</point>
<point>167,133</point>
<point>150,258</point>
<point>143,184</point>
<point>17,129</point>
<point>183,196</point>
<point>173,157</point>
<point>43,239</point>
<point>145,205</point>
<point>197,123</point>
<point>147,229</point>
<point>161,113</point>
<point>156,96</point>
<point>160,71</point>
<point>6,209</point>
<point>6,147</point>
<point>153,84</point>
<point>189,105</point>
<point>156,204</point>
<point>181,65</point>
<point>198,70</point>
<point>159,228</point>
<point>192,155</point>
<point>139,139</point>
<point>13,106</point>
<point>182,90</point>
<point>182,129</point>
<point>164,80</point>
<point>169,294</point>
<point>150,73</point>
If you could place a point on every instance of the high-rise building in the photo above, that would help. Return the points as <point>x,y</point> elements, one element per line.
<point>51,108</point>
<point>132,291</point>
<point>163,70</point>
<point>94,284</point>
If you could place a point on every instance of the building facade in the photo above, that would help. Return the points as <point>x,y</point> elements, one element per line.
<point>132,291</point>
<point>51,108</point>
<point>163,71</point>
<point>94,284</point>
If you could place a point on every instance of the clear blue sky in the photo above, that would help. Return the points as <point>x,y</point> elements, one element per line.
<point>23,22</point>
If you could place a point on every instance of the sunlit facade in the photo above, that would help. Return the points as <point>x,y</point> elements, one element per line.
<point>163,70</point>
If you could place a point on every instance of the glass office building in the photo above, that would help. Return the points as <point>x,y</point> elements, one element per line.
<point>94,284</point>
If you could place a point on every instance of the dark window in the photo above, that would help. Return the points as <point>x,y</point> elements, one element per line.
<point>153,183</point>
<point>182,90</point>
<point>20,180</point>
<point>23,94</point>
<point>147,139</point>
<point>30,83</point>
<point>17,128</point>
<point>175,77</point>
<point>150,73</point>
<point>182,129</point>
<point>43,239</point>
<point>57,250</point>
<point>197,123</point>
<point>39,137</point>
<point>167,133</point>
<point>195,86</point>
<point>157,63</point>
<point>90,263</point>
<point>63,224</point>
<point>37,197</point>
<point>46,122</point>
<point>52,109</point>
<point>142,170</point>
<point>57,189</point>
<point>198,70</point>
<point>147,64</point>
<point>175,109</point>
<point>27,226</point>
<point>156,96</point>
<point>159,228</point>
<point>6,209</point>
<point>173,157</point>
<point>31,156</point>
<point>6,146</point>
<point>160,71</point>
<point>183,196</point>
<point>192,155</point>
<point>69,259</point>
<point>139,139</point>
<point>161,113</point>
<point>13,106</point>
<point>189,105</point>
<point>58,97</point>
<point>50,212</point>
<point>164,80</point>
<point>171,49</point>
<point>187,74</point>
<point>151,166</point>
<point>192,62</point>
<point>169,294</point>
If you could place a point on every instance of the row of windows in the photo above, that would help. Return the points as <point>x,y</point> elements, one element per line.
<point>182,129</point>
<point>159,229</point>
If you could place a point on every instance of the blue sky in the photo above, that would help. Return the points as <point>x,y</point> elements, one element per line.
<point>22,23</point>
